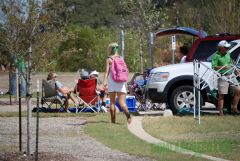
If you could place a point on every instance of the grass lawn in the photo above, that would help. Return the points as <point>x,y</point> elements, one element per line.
<point>117,136</point>
<point>216,136</point>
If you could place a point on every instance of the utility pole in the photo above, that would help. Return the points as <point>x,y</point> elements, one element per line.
<point>122,42</point>
<point>151,49</point>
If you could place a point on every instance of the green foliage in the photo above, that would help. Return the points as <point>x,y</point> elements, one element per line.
<point>75,34</point>
<point>29,22</point>
<point>92,13</point>
<point>85,47</point>
<point>75,50</point>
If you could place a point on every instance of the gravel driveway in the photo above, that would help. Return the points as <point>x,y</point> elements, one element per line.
<point>59,135</point>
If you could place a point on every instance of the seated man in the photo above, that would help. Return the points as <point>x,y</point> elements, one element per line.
<point>183,51</point>
<point>84,74</point>
<point>102,95</point>
<point>62,90</point>
<point>138,86</point>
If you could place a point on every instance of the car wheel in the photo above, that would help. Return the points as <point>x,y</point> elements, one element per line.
<point>182,97</point>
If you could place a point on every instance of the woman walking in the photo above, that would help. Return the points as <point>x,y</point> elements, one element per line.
<point>115,88</point>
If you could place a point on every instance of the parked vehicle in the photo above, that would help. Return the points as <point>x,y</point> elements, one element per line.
<point>173,84</point>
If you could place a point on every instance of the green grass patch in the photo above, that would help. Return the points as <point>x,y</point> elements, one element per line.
<point>117,136</point>
<point>217,136</point>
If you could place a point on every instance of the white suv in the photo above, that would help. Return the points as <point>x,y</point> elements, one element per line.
<point>174,83</point>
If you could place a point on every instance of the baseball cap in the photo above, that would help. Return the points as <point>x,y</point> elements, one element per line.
<point>94,73</point>
<point>84,74</point>
<point>224,43</point>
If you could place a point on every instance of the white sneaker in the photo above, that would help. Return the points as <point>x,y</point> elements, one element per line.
<point>103,108</point>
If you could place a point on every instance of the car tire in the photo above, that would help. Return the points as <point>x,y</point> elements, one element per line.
<point>181,97</point>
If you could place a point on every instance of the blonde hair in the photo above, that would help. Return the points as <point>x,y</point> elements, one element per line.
<point>113,47</point>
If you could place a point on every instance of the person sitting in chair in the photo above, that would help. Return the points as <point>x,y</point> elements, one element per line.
<point>63,91</point>
<point>183,51</point>
<point>84,74</point>
<point>100,89</point>
<point>138,87</point>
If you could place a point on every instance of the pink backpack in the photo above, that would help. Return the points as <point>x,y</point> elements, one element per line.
<point>119,70</point>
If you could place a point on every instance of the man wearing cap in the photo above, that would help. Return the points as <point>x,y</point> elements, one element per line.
<point>221,62</point>
<point>84,74</point>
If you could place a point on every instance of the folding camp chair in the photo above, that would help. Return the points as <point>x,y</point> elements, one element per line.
<point>50,95</point>
<point>88,94</point>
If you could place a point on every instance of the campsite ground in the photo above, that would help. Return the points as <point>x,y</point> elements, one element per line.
<point>61,138</point>
<point>68,137</point>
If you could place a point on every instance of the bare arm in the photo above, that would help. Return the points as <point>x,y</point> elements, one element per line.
<point>220,67</point>
<point>64,90</point>
<point>106,74</point>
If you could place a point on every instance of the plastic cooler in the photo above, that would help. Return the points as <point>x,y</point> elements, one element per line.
<point>131,104</point>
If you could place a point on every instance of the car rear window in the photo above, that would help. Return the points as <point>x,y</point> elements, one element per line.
<point>235,54</point>
<point>205,49</point>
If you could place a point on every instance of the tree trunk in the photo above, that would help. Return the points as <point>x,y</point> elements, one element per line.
<point>29,103</point>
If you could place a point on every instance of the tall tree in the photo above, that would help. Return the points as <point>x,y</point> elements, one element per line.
<point>33,22</point>
<point>221,16</point>
<point>216,16</point>
<point>24,26</point>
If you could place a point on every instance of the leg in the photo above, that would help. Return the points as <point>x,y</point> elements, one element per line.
<point>122,102</point>
<point>112,96</point>
<point>236,100</point>
<point>66,103</point>
<point>222,90</point>
<point>71,96</point>
<point>131,91</point>
<point>220,104</point>
<point>103,99</point>
<point>68,93</point>
<point>137,94</point>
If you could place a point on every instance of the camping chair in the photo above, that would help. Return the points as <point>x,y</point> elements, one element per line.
<point>50,95</point>
<point>88,94</point>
